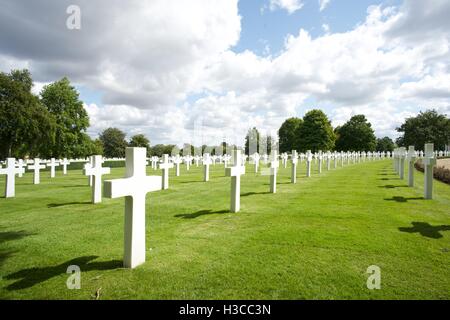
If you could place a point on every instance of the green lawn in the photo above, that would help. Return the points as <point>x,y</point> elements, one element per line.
<point>311,240</point>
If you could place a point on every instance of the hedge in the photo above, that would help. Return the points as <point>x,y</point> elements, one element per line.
<point>439,173</point>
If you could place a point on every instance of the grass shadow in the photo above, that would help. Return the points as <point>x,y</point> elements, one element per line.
<point>199,213</point>
<point>28,278</point>
<point>391,186</point>
<point>253,193</point>
<point>56,205</point>
<point>403,199</point>
<point>426,230</point>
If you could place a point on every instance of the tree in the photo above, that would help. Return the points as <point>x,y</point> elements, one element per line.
<point>426,127</point>
<point>160,149</point>
<point>385,144</point>
<point>287,134</point>
<point>356,135</point>
<point>252,141</point>
<point>25,125</point>
<point>140,140</point>
<point>316,132</point>
<point>114,144</point>
<point>62,100</point>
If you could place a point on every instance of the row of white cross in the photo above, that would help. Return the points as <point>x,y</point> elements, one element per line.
<point>136,184</point>
<point>400,155</point>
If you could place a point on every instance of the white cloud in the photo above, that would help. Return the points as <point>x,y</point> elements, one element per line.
<point>289,5</point>
<point>323,4</point>
<point>150,67</point>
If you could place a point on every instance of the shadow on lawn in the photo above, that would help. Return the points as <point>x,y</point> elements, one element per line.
<point>426,230</point>
<point>32,276</point>
<point>56,205</point>
<point>253,193</point>
<point>391,186</point>
<point>9,236</point>
<point>403,199</point>
<point>199,213</point>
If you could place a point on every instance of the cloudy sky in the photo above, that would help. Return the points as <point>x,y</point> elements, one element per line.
<point>200,71</point>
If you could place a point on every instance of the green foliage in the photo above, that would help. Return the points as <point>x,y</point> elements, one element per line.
<point>427,127</point>
<point>25,125</point>
<point>140,141</point>
<point>356,135</point>
<point>316,132</point>
<point>385,144</point>
<point>252,141</point>
<point>62,101</point>
<point>160,149</point>
<point>287,134</point>
<point>114,143</point>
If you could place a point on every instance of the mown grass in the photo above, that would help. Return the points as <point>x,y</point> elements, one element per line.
<point>311,240</point>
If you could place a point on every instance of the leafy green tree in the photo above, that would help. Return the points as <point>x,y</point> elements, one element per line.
<point>385,144</point>
<point>287,134</point>
<point>356,135</point>
<point>252,141</point>
<point>426,127</point>
<point>114,143</point>
<point>316,132</point>
<point>25,125</point>
<point>160,149</point>
<point>141,141</point>
<point>62,100</point>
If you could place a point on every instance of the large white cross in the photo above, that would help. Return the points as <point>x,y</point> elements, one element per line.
<point>235,172</point>
<point>36,167</point>
<point>165,166</point>
<point>274,164</point>
<point>429,163</point>
<point>64,164</point>
<point>10,171</point>
<point>53,164</point>
<point>134,188</point>
<point>96,171</point>
<point>294,159</point>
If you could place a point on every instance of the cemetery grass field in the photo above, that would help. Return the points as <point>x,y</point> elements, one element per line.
<point>311,240</point>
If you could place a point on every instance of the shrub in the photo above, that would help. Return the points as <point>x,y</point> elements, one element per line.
<point>439,173</point>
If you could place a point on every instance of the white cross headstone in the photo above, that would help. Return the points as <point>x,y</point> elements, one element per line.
<point>21,167</point>
<point>320,157</point>
<point>206,164</point>
<point>235,172</point>
<point>328,156</point>
<point>10,171</point>
<point>411,159</point>
<point>134,188</point>
<point>177,161</point>
<point>96,171</point>
<point>64,164</point>
<point>308,163</point>
<point>294,159</point>
<point>88,165</point>
<point>429,163</point>
<point>36,167</point>
<point>274,164</point>
<point>53,164</point>
<point>284,157</point>
<point>402,157</point>
<point>256,158</point>
<point>165,166</point>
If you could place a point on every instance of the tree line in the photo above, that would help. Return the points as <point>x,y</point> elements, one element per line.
<point>54,124</point>
<point>314,132</point>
